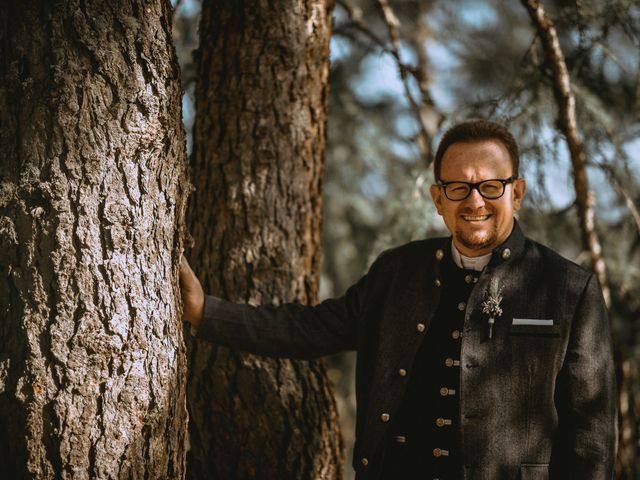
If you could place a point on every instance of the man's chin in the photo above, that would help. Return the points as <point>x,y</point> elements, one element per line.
<point>477,243</point>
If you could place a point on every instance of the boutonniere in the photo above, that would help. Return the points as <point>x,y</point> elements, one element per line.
<point>491,304</point>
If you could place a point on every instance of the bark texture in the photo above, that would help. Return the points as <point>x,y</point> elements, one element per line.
<point>567,122</point>
<point>259,142</point>
<point>92,197</point>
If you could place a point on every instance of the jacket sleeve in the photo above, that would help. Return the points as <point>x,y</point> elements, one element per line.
<point>586,398</point>
<point>290,330</point>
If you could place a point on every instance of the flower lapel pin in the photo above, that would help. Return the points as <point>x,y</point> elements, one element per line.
<point>491,304</point>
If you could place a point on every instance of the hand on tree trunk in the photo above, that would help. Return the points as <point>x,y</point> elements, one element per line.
<point>192,295</point>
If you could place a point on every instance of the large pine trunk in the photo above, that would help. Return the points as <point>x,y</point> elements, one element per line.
<point>92,196</point>
<point>259,142</point>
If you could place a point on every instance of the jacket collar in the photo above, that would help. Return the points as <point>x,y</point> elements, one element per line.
<point>512,248</point>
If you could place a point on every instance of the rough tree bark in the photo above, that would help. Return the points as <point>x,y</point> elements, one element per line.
<point>259,142</point>
<point>565,100</point>
<point>92,197</point>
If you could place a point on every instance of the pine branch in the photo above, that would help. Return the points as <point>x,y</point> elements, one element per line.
<point>567,123</point>
<point>425,110</point>
<point>617,185</point>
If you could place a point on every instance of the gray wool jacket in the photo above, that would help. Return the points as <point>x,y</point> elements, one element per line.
<point>537,399</point>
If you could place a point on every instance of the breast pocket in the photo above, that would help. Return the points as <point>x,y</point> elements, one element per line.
<point>534,327</point>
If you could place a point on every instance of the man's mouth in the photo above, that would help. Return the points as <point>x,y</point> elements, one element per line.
<point>475,218</point>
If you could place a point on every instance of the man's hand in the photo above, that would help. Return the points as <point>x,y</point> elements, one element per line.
<point>192,294</point>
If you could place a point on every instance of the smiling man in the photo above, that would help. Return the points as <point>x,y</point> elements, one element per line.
<point>470,194</point>
<point>483,355</point>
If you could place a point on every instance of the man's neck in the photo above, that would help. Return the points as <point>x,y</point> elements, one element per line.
<point>470,263</point>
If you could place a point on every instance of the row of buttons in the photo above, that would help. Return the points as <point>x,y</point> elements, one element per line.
<point>449,362</point>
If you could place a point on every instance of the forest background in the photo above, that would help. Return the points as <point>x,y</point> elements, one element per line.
<point>401,75</point>
<point>99,198</point>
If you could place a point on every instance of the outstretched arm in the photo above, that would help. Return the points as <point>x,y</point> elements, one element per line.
<point>291,330</point>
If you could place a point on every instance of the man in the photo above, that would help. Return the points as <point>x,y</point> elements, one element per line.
<point>483,355</point>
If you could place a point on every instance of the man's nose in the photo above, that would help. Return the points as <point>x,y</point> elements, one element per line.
<point>475,199</point>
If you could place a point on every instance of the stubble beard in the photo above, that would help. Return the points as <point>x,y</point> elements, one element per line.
<point>477,240</point>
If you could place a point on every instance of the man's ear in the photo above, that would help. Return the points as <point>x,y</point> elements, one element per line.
<point>519,190</point>
<point>436,195</point>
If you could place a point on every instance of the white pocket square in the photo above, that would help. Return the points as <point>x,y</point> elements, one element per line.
<point>532,321</point>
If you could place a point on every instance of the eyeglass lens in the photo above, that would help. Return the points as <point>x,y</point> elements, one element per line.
<point>490,189</point>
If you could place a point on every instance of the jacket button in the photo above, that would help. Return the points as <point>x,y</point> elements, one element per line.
<point>462,306</point>
<point>364,461</point>
<point>439,254</point>
<point>438,282</point>
<point>468,278</point>
<point>441,422</point>
<point>444,391</point>
<point>402,372</point>
<point>438,452</point>
<point>506,253</point>
<point>450,362</point>
<point>384,417</point>
<point>455,334</point>
<point>420,327</point>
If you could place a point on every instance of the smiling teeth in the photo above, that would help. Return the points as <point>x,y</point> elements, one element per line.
<point>475,218</point>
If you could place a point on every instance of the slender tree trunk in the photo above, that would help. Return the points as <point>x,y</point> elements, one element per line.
<point>567,122</point>
<point>92,197</point>
<point>259,143</point>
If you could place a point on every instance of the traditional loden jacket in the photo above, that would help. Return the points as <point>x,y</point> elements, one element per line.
<point>536,400</point>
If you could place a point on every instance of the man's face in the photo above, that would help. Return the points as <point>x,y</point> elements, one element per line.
<point>478,225</point>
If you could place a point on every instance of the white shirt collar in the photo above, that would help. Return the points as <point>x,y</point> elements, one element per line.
<point>470,263</point>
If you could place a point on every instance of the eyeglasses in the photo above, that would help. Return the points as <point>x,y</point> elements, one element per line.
<point>489,189</point>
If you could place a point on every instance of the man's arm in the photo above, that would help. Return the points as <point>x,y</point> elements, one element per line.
<point>586,397</point>
<point>290,330</point>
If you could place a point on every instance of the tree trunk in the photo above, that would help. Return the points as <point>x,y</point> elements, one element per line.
<point>567,122</point>
<point>92,197</point>
<point>259,142</point>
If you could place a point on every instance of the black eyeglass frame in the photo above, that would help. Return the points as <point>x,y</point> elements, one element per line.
<point>476,186</point>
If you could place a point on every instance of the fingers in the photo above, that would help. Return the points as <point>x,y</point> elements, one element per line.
<point>185,270</point>
<point>191,293</point>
